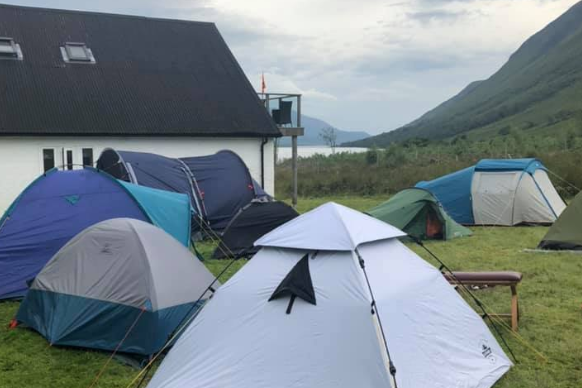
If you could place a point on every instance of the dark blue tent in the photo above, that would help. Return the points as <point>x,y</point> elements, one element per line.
<point>218,185</point>
<point>60,204</point>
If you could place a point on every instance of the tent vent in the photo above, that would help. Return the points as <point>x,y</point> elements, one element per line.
<point>297,283</point>
<point>72,199</point>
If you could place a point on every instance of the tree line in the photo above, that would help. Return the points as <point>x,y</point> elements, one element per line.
<point>385,171</point>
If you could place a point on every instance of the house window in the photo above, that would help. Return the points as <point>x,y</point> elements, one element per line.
<point>87,156</point>
<point>77,53</point>
<point>9,49</point>
<point>48,159</point>
<point>68,159</point>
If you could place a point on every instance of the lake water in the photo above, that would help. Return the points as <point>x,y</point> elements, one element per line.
<point>306,151</point>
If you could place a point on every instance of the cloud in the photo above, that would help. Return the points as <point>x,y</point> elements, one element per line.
<point>440,15</point>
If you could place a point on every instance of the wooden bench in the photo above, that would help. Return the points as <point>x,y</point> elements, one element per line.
<point>492,279</point>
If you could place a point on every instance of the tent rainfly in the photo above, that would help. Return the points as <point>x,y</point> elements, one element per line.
<point>330,301</point>
<point>418,213</point>
<point>218,185</point>
<point>566,233</point>
<point>60,204</point>
<point>252,222</point>
<point>121,282</point>
<point>498,192</point>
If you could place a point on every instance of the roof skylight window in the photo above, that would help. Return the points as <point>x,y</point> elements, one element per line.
<point>77,52</point>
<point>9,49</point>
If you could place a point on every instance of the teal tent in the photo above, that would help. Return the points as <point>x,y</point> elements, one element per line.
<point>121,284</point>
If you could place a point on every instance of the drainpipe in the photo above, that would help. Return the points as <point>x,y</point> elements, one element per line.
<point>263,142</point>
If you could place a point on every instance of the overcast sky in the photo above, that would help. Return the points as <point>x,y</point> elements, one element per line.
<point>361,64</point>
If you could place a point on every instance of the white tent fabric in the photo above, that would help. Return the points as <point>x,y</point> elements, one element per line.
<point>530,205</point>
<point>129,262</point>
<point>493,194</point>
<point>243,340</point>
<point>514,197</point>
<point>547,188</point>
<point>434,337</point>
<point>330,227</point>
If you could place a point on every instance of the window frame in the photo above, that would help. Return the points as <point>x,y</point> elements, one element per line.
<point>69,57</point>
<point>83,149</point>
<point>66,165</point>
<point>42,159</point>
<point>16,51</point>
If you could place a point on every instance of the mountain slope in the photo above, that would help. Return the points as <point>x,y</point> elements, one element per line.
<point>312,128</point>
<point>538,89</point>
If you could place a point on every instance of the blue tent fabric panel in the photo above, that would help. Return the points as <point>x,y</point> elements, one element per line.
<point>216,174</point>
<point>529,165</point>
<point>13,205</point>
<point>42,220</point>
<point>158,172</point>
<point>259,191</point>
<point>168,210</point>
<point>454,193</point>
<point>71,320</point>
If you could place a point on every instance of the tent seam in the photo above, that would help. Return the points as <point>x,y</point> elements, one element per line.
<point>149,278</point>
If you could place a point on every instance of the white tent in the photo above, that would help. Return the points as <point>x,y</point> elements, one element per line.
<point>299,315</point>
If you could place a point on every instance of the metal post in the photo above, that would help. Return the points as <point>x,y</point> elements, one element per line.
<point>267,104</point>
<point>294,144</point>
<point>294,164</point>
<point>299,111</point>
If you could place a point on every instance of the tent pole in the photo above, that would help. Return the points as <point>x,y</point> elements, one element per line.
<point>391,367</point>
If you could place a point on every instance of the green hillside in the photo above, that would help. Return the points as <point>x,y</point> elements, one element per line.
<point>538,90</point>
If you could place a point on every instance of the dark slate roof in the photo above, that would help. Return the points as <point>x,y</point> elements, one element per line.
<point>154,77</point>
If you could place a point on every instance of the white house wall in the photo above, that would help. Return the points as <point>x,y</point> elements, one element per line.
<point>21,157</point>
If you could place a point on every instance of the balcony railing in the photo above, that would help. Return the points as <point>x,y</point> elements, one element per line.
<point>272,102</point>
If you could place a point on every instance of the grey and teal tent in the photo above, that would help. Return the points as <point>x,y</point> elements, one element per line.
<point>59,204</point>
<point>121,284</point>
<point>418,213</point>
<point>566,233</point>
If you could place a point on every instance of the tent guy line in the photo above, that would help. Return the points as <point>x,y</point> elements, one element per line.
<point>492,317</point>
<point>182,325</point>
<point>473,297</point>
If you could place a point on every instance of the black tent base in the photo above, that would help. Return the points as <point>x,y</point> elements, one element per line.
<point>251,223</point>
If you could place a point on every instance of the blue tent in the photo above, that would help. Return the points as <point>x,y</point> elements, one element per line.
<point>138,284</point>
<point>218,185</point>
<point>60,204</point>
<point>498,192</point>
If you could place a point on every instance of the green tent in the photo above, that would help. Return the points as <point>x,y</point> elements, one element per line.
<point>417,212</point>
<point>566,233</point>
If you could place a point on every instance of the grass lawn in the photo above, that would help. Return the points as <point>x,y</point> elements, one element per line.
<point>550,298</point>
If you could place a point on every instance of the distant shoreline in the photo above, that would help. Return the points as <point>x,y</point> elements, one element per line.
<point>284,152</point>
